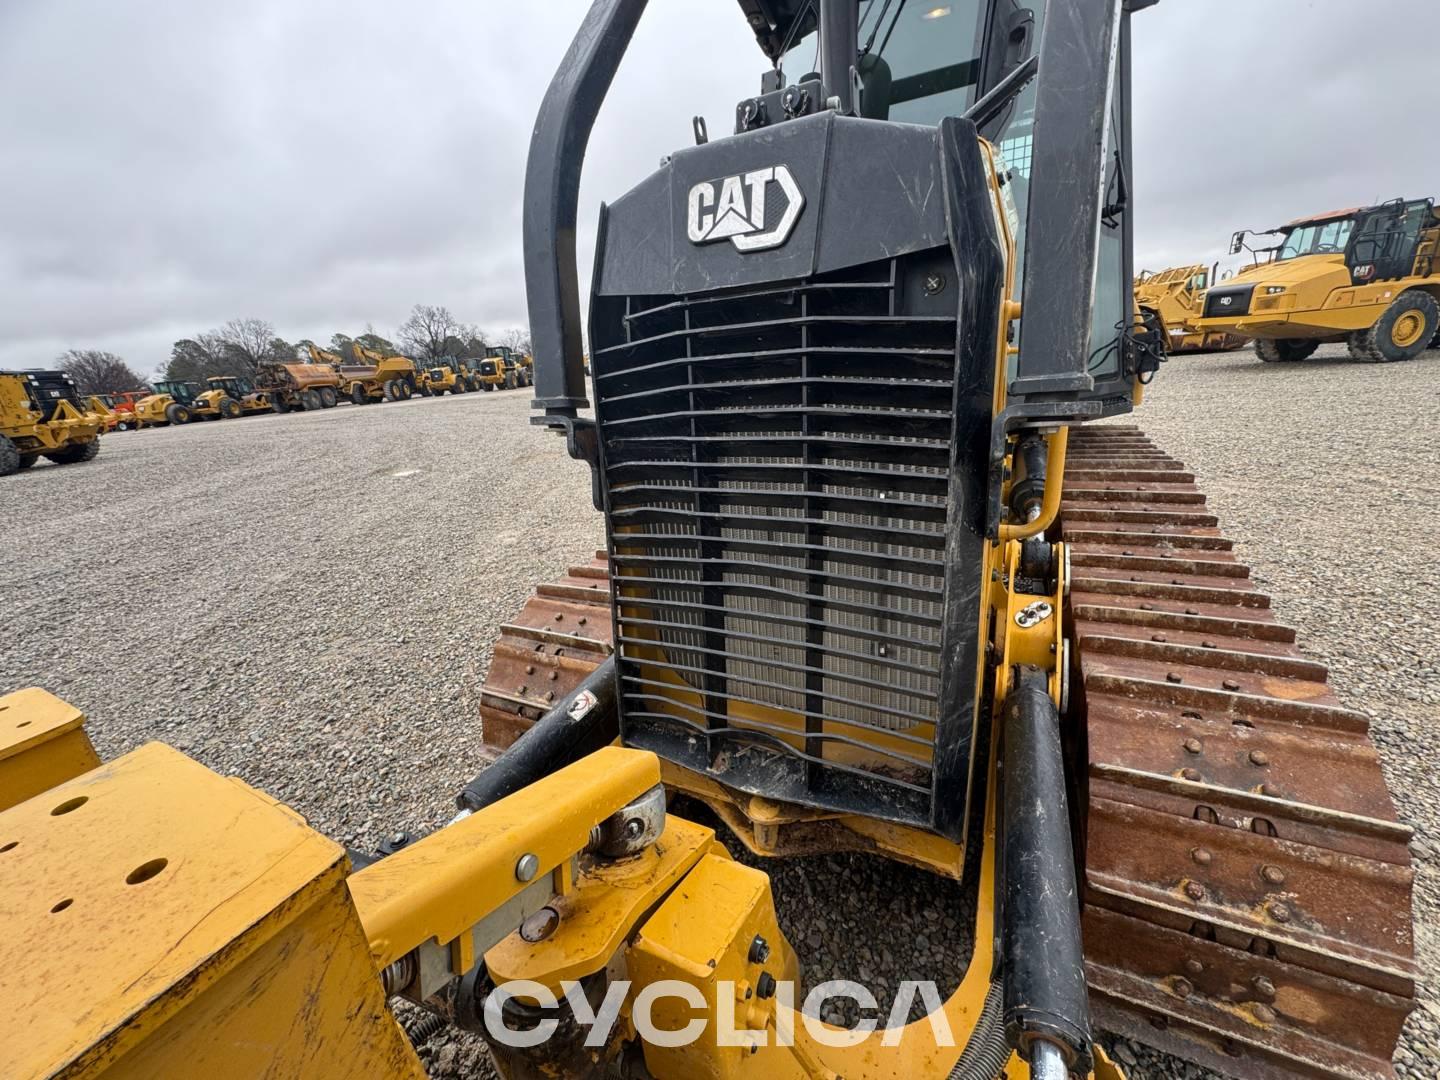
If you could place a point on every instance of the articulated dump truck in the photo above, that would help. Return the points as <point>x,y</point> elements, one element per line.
<point>939,616</point>
<point>1177,296</point>
<point>298,387</point>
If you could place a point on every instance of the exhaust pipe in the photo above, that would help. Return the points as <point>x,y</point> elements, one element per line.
<point>1047,1010</point>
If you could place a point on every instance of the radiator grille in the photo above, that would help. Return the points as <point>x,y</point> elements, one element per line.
<point>777,470</point>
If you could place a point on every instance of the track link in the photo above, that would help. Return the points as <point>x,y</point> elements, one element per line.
<point>1247,884</point>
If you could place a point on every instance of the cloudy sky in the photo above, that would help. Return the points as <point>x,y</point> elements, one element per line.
<point>325,164</point>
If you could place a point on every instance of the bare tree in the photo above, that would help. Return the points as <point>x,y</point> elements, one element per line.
<point>517,339</point>
<point>425,332</point>
<point>98,372</point>
<point>248,344</point>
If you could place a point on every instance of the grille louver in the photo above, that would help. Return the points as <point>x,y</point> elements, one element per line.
<point>776,462</point>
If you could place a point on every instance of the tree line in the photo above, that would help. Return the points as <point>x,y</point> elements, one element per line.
<point>430,333</point>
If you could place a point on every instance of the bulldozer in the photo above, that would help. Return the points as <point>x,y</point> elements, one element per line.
<point>1369,277</point>
<point>42,414</point>
<point>1177,296</point>
<point>936,617</point>
<point>177,401</point>
<point>372,376</point>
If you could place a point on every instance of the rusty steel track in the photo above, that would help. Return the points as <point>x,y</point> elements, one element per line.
<point>1247,884</point>
<point>1248,887</point>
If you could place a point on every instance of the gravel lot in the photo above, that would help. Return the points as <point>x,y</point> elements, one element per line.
<point>309,601</point>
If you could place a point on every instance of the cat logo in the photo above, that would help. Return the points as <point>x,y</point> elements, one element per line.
<point>734,208</point>
<point>1226,301</point>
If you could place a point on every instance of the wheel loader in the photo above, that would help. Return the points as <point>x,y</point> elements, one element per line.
<point>936,617</point>
<point>1177,296</point>
<point>448,376</point>
<point>501,369</point>
<point>42,414</point>
<point>1369,277</point>
<point>179,402</point>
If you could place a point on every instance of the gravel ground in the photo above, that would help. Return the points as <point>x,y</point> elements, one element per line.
<point>309,601</point>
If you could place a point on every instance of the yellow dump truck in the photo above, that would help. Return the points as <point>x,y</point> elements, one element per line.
<point>373,376</point>
<point>297,386</point>
<point>1368,277</point>
<point>1177,295</point>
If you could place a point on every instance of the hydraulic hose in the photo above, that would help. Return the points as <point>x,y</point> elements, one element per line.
<point>988,1050</point>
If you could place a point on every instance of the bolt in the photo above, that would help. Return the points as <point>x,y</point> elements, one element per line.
<point>934,283</point>
<point>634,828</point>
<point>398,838</point>
<point>1269,789</point>
<point>1173,676</point>
<point>549,695</point>
<point>559,616</point>
<point>527,867</point>
<point>1230,684</point>
<point>1159,637</point>
<point>1191,611</point>
<point>1207,645</point>
<point>1273,875</point>
<point>1201,856</point>
<point>1194,967</point>
<point>765,985</point>
<point>1259,757</point>
<point>1263,1013</point>
<point>1194,890</point>
<point>583,620</point>
<point>1192,746</point>
<point>759,950</point>
<point>554,675</point>
<point>1182,987</point>
<point>1280,913</point>
<point>1192,775</point>
<point>1263,986</point>
<point>523,688</point>
<point>540,925</point>
<point>1147,607</point>
<point>529,669</point>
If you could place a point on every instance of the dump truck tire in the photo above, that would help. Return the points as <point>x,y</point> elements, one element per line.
<point>328,397</point>
<point>279,404</point>
<point>177,413</point>
<point>310,401</point>
<point>230,408</point>
<point>459,388</point>
<point>402,390</point>
<point>389,390</point>
<point>472,383</point>
<point>75,453</point>
<point>1284,351</point>
<point>9,457</point>
<point>1403,331</point>
<point>357,394</point>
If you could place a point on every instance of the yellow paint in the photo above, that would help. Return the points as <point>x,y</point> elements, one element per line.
<point>603,909</point>
<point>442,886</point>
<point>42,744</point>
<point>240,956</point>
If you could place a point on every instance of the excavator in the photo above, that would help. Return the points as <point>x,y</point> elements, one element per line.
<point>940,617</point>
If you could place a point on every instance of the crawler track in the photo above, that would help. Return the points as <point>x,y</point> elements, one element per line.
<point>1247,885</point>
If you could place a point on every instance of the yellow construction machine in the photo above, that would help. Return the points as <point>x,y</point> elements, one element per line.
<point>177,401</point>
<point>1177,296</point>
<point>42,414</point>
<point>931,617</point>
<point>447,376</point>
<point>372,376</point>
<point>242,391</point>
<point>299,387</point>
<point>502,369</point>
<point>1368,277</point>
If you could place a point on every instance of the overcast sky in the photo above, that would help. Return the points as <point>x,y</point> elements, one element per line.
<point>325,164</point>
